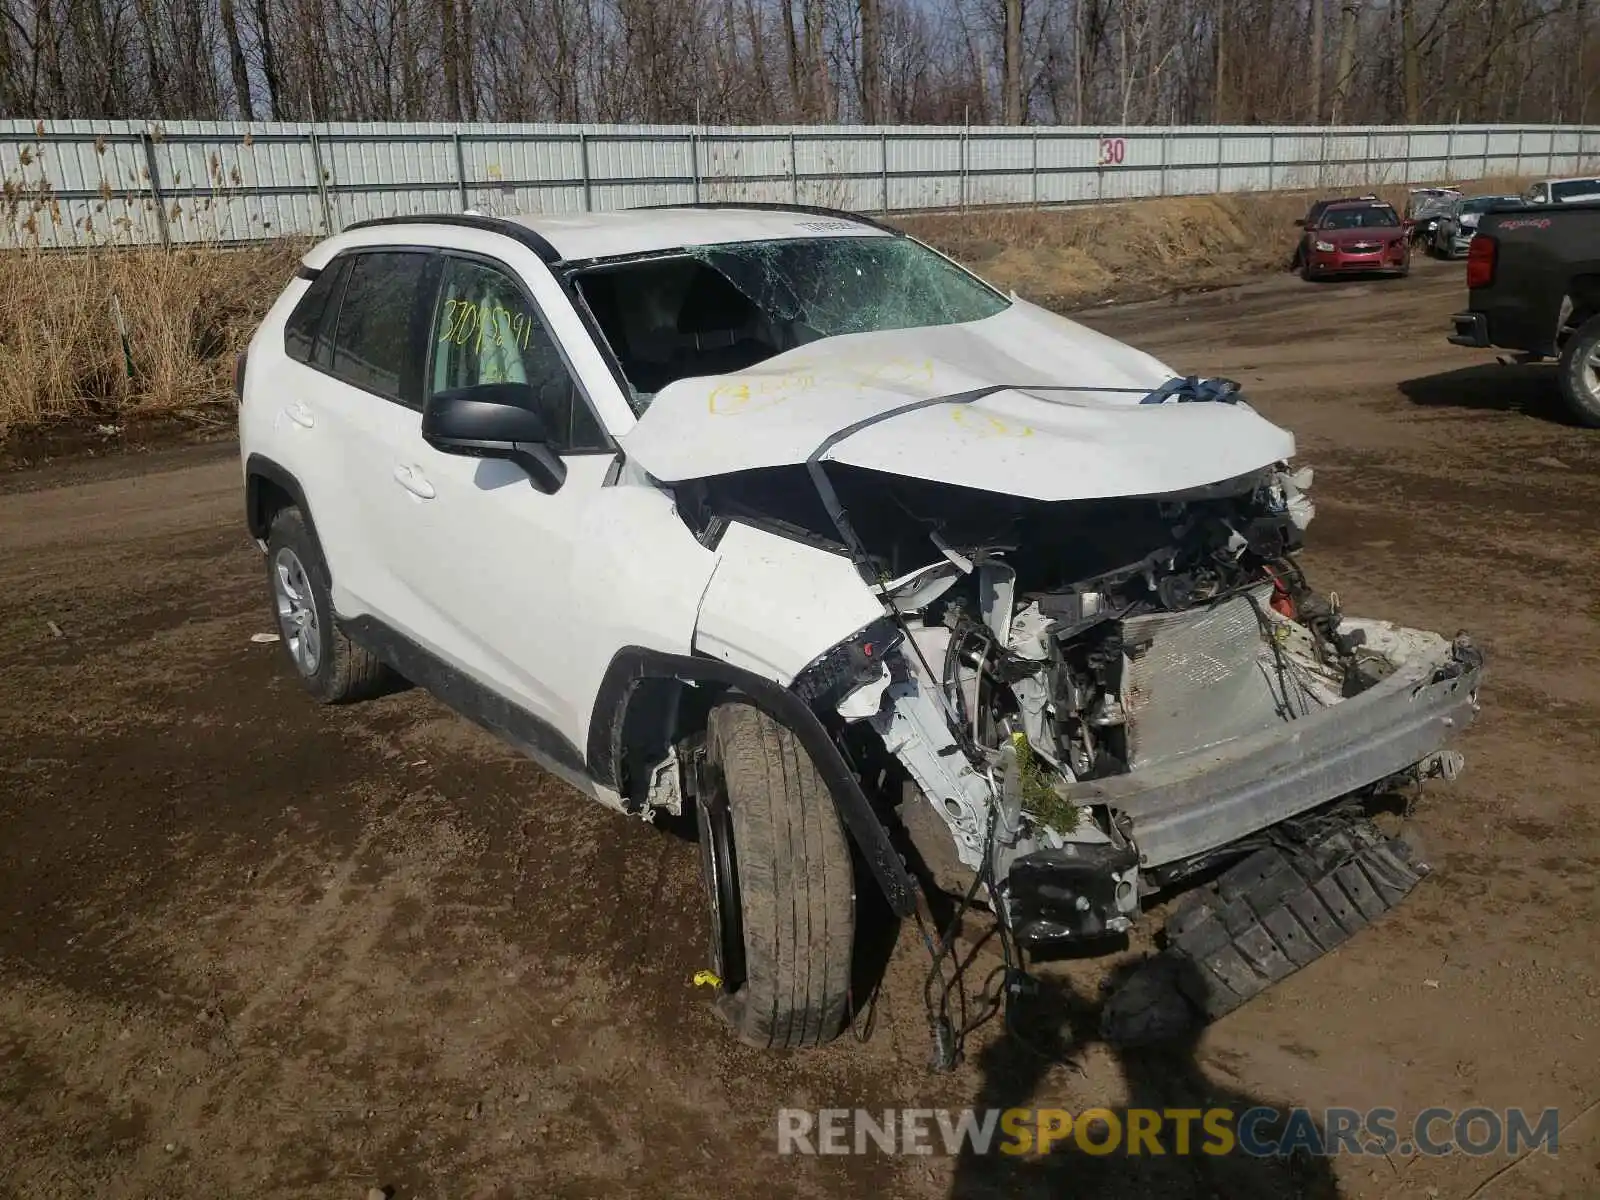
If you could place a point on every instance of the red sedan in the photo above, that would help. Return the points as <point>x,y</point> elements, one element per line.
<point>1355,237</point>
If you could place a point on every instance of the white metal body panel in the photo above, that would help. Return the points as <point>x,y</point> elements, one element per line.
<point>533,594</point>
<point>1048,445</point>
<point>774,604</point>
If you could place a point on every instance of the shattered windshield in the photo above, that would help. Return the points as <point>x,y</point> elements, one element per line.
<point>713,310</point>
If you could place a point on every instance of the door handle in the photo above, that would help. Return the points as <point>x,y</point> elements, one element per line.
<point>300,415</point>
<point>413,482</point>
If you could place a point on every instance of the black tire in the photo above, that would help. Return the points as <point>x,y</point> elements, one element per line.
<point>1580,358</point>
<point>1264,918</point>
<point>340,671</point>
<point>794,881</point>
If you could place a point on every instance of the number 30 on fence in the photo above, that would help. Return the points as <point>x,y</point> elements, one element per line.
<point>1112,151</point>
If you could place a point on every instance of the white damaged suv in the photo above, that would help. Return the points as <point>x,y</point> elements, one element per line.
<point>776,516</point>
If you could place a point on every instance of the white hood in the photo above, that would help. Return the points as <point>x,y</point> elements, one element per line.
<point>1045,445</point>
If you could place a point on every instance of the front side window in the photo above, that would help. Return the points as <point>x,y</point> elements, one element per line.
<point>487,331</point>
<point>712,310</point>
<point>376,337</point>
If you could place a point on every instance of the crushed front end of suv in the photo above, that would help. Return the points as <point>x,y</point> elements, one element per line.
<point>780,519</point>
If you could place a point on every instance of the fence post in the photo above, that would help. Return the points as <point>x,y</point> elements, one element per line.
<point>794,170</point>
<point>1450,155</point>
<point>461,169</point>
<point>883,162</point>
<point>1034,172</point>
<point>1366,165</point>
<point>1219,159</point>
<point>966,132</point>
<point>1322,160</point>
<point>1272,158</point>
<point>583,163</point>
<point>1549,152</point>
<point>1166,142</point>
<point>322,184</point>
<point>155,189</point>
<point>694,162</point>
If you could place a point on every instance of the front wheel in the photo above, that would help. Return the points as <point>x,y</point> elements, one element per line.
<point>1579,372</point>
<point>774,850</point>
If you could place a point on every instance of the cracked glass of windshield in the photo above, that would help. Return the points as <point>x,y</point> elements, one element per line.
<point>715,310</point>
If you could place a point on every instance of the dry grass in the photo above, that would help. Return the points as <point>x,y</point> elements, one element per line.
<point>186,314</point>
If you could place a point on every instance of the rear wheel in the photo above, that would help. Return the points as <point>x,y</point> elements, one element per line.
<point>1579,372</point>
<point>330,665</point>
<point>774,849</point>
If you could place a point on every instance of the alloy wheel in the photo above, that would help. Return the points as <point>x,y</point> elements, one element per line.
<point>297,611</point>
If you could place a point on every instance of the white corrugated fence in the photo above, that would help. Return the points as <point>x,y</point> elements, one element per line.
<point>79,183</point>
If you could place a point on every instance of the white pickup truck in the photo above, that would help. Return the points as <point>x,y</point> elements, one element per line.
<point>1564,191</point>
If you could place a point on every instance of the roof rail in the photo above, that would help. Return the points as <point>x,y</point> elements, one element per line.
<point>511,229</point>
<point>810,210</point>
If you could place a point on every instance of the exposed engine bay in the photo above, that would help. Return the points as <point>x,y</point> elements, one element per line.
<point>1093,699</point>
<point>1038,598</point>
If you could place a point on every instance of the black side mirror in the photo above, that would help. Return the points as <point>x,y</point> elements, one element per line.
<point>495,420</point>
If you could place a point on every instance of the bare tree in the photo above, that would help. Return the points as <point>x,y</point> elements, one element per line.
<point>871,62</point>
<point>236,63</point>
<point>1314,61</point>
<point>1012,103</point>
<point>1077,61</point>
<point>1344,71</point>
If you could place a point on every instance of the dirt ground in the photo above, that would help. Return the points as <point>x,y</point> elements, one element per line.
<point>252,947</point>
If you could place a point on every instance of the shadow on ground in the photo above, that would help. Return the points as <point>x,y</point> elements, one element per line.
<point>1057,1022</point>
<point>1530,389</point>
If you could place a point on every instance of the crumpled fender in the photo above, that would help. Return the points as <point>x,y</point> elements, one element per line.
<point>775,604</point>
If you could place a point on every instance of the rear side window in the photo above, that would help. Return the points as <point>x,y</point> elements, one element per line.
<point>379,336</point>
<point>300,333</point>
